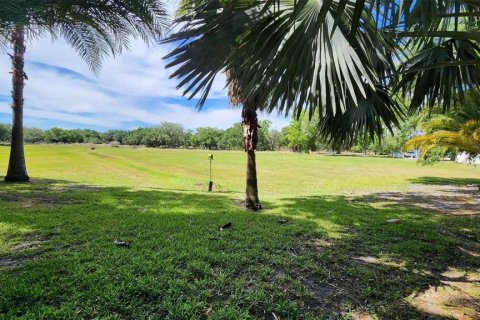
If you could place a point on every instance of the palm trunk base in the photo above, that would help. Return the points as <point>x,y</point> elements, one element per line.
<point>253,205</point>
<point>17,177</point>
<point>252,202</point>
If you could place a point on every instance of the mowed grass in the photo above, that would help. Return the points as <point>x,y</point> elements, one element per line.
<point>334,258</point>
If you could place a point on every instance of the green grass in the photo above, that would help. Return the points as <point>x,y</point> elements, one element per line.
<point>179,266</point>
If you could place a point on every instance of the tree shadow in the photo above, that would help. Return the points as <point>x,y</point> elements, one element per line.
<point>179,265</point>
<point>376,265</point>
<point>440,181</point>
<point>453,196</point>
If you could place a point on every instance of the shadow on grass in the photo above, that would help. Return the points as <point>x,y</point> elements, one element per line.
<point>439,181</point>
<point>180,266</point>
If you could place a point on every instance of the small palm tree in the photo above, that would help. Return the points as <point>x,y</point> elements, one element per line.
<point>447,134</point>
<point>95,29</point>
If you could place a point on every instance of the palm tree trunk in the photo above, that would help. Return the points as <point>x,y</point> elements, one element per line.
<point>250,139</point>
<point>17,171</point>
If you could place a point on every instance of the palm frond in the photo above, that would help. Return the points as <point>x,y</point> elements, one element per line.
<point>369,119</point>
<point>441,74</point>
<point>466,139</point>
<point>95,28</point>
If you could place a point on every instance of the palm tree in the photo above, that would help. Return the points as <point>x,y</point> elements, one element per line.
<point>459,131</point>
<point>95,29</point>
<point>215,39</point>
<point>211,51</point>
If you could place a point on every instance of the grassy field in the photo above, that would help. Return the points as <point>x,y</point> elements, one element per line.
<point>321,249</point>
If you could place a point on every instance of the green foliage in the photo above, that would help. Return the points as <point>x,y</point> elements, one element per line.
<point>264,141</point>
<point>33,135</point>
<point>166,135</point>
<point>58,135</point>
<point>136,137</point>
<point>302,134</point>
<point>232,138</point>
<point>446,135</point>
<point>207,138</point>
<point>5,132</point>
<point>115,135</point>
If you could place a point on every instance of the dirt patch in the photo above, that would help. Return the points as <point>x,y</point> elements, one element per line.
<point>240,204</point>
<point>79,188</point>
<point>447,199</point>
<point>201,185</point>
<point>361,315</point>
<point>457,296</point>
<point>325,296</point>
<point>322,291</point>
<point>312,245</point>
<point>30,248</point>
<point>379,261</point>
<point>11,262</point>
<point>470,252</point>
<point>460,300</point>
<point>27,245</point>
<point>31,200</point>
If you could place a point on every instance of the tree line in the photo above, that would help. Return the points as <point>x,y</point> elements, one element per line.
<point>165,135</point>
<point>299,136</point>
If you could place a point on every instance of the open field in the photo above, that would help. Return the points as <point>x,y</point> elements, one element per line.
<point>334,258</point>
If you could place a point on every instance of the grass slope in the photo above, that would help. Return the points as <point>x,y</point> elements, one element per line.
<point>334,258</point>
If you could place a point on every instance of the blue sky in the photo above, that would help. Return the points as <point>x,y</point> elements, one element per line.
<point>132,90</point>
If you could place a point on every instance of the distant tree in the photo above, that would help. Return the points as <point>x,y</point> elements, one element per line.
<point>54,135</point>
<point>302,134</point>
<point>207,138</point>
<point>115,135</point>
<point>264,141</point>
<point>457,132</point>
<point>90,136</point>
<point>232,138</point>
<point>188,139</point>
<point>34,135</point>
<point>136,137</point>
<point>5,132</point>
<point>167,135</point>
<point>277,139</point>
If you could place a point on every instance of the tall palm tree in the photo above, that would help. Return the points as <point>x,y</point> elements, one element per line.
<point>95,29</point>
<point>210,50</point>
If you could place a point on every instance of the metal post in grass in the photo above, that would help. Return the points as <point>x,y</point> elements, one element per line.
<point>210,184</point>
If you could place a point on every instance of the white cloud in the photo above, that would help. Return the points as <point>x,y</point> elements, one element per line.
<point>131,89</point>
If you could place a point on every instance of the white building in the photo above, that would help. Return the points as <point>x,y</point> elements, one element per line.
<point>465,158</point>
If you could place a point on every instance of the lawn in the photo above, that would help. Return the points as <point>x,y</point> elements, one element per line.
<point>321,249</point>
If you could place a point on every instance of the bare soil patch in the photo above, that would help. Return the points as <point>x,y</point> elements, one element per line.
<point>447,199</point>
